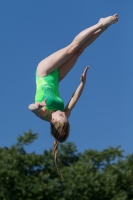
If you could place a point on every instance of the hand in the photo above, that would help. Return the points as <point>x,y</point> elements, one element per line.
<point>83,76</point>
<point>43,103</point>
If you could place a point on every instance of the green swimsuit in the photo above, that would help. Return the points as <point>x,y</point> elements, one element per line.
<point>47,87</point>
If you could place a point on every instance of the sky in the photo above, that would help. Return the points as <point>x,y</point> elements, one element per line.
<point>32,30</point>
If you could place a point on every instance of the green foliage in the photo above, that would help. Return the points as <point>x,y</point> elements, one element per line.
<point>92,175</point>
<point>28,138</point>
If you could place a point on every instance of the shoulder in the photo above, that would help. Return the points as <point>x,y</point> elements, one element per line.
<point>67,112</point>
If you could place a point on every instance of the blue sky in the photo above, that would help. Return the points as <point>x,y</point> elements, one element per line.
<point>30,31</point>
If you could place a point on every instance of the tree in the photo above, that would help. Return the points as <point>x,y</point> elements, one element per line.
<point>99,175</point>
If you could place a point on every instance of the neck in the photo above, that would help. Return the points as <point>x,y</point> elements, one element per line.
<point>50,117</point>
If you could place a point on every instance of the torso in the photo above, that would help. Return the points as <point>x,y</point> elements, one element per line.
<point>47,87</point>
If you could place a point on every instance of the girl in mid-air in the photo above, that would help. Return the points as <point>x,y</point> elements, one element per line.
<point>48,105</point>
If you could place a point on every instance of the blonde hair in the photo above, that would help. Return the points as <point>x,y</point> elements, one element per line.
<point>60,132</point>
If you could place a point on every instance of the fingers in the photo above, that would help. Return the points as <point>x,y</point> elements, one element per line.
<point>81,77</point>
<point>85,71</point>
<point>43,103</point>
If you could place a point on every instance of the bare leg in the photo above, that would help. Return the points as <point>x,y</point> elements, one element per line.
<point>68,65</point>
<point>57,59</point>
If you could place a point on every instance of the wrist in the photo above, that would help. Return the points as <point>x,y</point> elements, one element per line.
<point>38,105</point>
<point>83,82</point>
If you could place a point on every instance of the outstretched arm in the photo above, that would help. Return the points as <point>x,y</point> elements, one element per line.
<point>77,93</point>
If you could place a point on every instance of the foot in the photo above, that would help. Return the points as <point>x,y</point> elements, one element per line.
<point>106,22</point>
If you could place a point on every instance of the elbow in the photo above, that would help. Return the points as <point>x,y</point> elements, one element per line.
<point>33,107</point>
<point>29,107</point>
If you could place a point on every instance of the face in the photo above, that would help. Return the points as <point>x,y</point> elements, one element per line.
<point>59,116</point>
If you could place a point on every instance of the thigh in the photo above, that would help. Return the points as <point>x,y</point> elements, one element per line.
<point>53,62</point>
<point>69,64</point>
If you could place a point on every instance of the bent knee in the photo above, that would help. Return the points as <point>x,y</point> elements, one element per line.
<point>72,49</point>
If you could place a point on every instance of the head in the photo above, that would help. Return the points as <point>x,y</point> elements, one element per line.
<point>59,116</point>
<point>60,130</point>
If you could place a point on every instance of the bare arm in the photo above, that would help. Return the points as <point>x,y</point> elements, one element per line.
<point>37,106</point>
<point>76,95</point>
<point>34,107</point>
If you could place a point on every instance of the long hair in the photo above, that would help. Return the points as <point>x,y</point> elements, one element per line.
<point>60,132</point>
